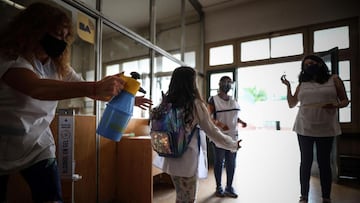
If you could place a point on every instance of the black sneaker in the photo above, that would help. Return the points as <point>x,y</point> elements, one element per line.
<point>326,200</point>
<point>303,199</point>
<point>219,192</point>
<point>229,192</point>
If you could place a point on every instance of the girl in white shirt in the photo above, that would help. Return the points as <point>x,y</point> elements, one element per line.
<point>185,170</point>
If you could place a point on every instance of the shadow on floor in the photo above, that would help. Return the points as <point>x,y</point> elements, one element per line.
<point>266,171</point>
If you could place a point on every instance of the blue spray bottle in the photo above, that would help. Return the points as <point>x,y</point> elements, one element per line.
<point>120,109</point>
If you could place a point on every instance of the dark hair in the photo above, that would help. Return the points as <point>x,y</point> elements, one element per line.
<point>322,75</point>
<point>183,90</point>
<point>224,78</point>
<point>22,35</point>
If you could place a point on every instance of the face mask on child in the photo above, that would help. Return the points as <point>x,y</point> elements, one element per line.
<point>53,47</point>
<point>225,86</point>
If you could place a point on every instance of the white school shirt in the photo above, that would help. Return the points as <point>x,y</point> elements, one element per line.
<point>25,135</point>
<point>227,112</point>
<point>312,119</point>
<point>193,162</point>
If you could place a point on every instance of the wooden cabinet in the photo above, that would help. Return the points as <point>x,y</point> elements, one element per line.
<point>85,160</point>
<point>349,156</point>
<point>111,171</point>
<point>134,170</point>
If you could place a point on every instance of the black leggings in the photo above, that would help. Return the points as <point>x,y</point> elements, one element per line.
<point>323,152</point>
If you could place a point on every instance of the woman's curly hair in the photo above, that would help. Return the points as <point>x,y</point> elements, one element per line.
<point>21,37</point>
<point>321,76</point>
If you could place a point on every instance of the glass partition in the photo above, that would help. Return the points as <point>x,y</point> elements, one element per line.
<point>134,15</point>
<point>83,58</point>
<point>89,3</point>
<point>193,39</point>
<point>170,35</point>
<point>180,36</point>
<point>168,24</point>
<point>122,54</point>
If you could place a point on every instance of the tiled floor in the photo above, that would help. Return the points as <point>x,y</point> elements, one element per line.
<point>267,171</point>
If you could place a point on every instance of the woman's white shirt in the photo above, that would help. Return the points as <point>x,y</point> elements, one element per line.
<point>312,119</point>
<point>25,135</point>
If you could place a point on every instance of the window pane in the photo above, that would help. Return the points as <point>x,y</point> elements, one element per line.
<point>348,89</point>
<point>171,63</point>
<point>129,67</point>
<point>348,95</point>
<point>144,65</point>
<point>123,54</point>
<point>344,70</point>
<point>347,86</point>
<point>262,96</point>
<point>164,64</point>
<point>345,114</point>
<point>190,59</point>
<point>255,50</point>
<point>330,38</point>
<point>161,85</point>
<point>221,55</point>
<point>288,45</point>
<point>126,16</point>
<point>112,69</point>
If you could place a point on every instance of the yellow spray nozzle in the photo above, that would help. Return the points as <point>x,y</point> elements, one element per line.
<point>131,85</point>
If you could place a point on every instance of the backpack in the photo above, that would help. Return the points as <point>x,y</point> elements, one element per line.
<point>167,130</point>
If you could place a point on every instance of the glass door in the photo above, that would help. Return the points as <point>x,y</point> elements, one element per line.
<point>341,68</point>
<point>330,57</point>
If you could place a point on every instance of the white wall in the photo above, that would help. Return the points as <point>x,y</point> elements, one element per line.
<point>264,16</point>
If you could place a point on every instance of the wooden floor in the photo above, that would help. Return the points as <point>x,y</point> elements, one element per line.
<point>266,172</point>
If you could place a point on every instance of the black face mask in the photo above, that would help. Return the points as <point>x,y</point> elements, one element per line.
<point>225,87</point>
<point>53,47</point>
<point>312,69</point>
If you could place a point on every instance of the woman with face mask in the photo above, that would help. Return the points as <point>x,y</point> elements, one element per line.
<point>34,72</point>
<point>225,114</point>
<point>320,95</point>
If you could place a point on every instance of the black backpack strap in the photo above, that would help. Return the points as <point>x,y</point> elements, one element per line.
<point>196,130</point>
<point>198,135</point>
<point>212,102</point>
